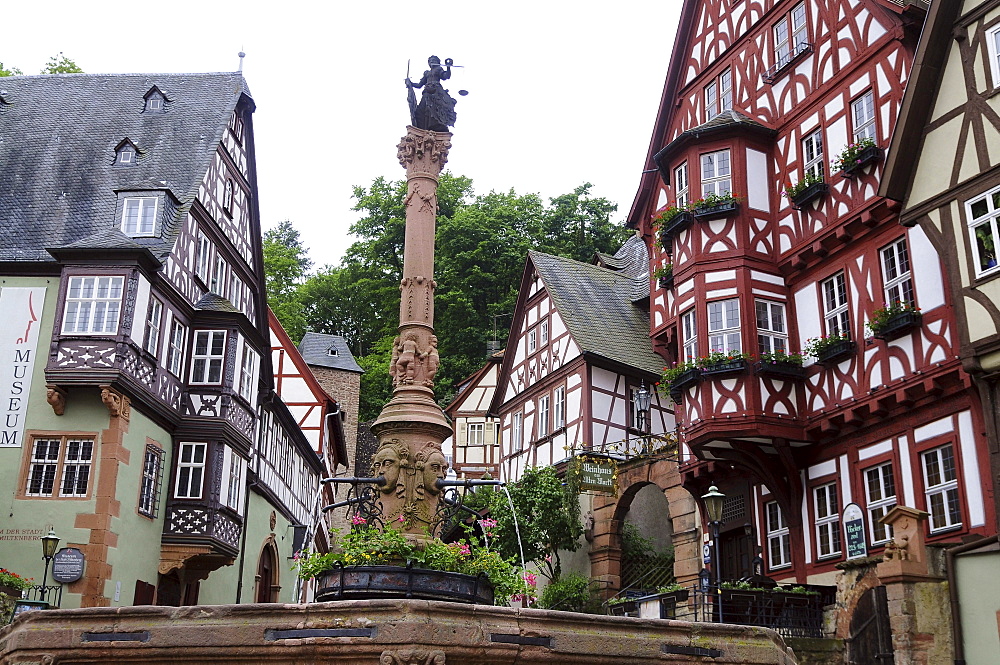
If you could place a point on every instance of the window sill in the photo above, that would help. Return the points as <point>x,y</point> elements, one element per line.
<point>945,529</point>
<point>777,69</point>
<point>829,557</point>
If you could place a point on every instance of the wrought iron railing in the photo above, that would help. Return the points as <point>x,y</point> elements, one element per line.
<point>50,593</point>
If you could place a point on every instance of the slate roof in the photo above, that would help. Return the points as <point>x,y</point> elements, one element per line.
<point>315,347</point>
<point>597,306</point>
<point>58,135</point>
<point>212,302</point>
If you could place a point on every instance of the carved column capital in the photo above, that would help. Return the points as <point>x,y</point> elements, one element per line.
<point>56,397</point>
<point>119,405</point>
<point>424,151</point>
<point>412,657</point>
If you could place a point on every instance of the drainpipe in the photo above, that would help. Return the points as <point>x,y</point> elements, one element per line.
<point>956,621</point>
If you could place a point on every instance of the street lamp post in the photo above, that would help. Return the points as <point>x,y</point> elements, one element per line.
<point>643,400</point>
<point>49,545</point>
<point>714,500</point>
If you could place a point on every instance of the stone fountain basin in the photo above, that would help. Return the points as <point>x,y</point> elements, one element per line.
<point>372,582</point>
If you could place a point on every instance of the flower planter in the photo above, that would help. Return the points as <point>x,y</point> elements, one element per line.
<point>10,591</point>
<point>669,602</point>
<point>807,195</point>
<point>864,158</point>
<point>730,367</point>
<point>717,211</point>
<point>370,582</point>
<point>627,609</point>
<point>666,283</point>
<point>779,368</point>
<point>897,325</point>
<point>836,352</point>
<point>688,378</point>
<point>673,226</point>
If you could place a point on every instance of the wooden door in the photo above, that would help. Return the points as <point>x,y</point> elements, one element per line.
<point>870,642</point>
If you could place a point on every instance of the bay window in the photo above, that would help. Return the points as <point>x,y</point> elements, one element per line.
<point>724,326</point>
<point>93,305</point>
<point>716,174</point>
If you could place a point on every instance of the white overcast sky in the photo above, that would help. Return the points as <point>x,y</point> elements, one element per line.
<point>560,93</point>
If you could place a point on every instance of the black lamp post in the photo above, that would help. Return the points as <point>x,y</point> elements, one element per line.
<point>714,500</point>
<point>643,399</point>
<point>49,545</point>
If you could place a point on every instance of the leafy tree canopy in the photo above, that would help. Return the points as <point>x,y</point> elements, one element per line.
<point>12,71</point>
<point>60,64</point>
<point>481,245</point>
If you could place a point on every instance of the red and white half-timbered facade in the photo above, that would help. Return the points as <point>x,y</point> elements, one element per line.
<point>762,96</point>
<point>475,447</point>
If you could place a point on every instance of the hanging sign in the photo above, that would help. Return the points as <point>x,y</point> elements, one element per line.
<point>854,530</point>
<point>67,565</point>
<point>597,476</point>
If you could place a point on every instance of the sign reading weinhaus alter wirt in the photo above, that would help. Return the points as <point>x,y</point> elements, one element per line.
<point>597,475</point>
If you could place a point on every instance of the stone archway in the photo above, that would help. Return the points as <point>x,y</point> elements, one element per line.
<point>268,578</point>
<point>609,511</point>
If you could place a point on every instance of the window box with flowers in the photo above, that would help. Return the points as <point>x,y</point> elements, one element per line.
<point>781,364</point>
<point>716,206</point>
<point>13,584</point>
<point>894,320</point>
<point>856,156</point>
<point>810,188</point>
<point>669,221</point>
<point>829,348</point>
<point>665,276</point>
<point>723,362</point>
<point>676,379</point>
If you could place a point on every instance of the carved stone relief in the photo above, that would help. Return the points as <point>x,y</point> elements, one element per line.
<point>412,657</point>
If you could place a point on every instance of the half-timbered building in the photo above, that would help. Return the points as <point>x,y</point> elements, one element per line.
<point>475,446</point>
<point>135,315</point>
<point>944,166</point>
<point>761,195</point>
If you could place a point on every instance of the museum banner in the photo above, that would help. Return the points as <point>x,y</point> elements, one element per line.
<point>22,313</point>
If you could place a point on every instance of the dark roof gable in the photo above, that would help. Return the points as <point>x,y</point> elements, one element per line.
<point>58,134</point>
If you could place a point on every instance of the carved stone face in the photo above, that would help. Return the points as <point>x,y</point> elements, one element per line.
<point>386,463</point>
<point>434,468</point>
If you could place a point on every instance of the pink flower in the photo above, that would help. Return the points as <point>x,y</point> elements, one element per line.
<point>548,558</point>
<point>358,519</point>
<point>530,578</point>
<point>401,519</point>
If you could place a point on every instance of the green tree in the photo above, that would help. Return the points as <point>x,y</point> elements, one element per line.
<point>60,64</point>
<point>577,226</point>
<point>285,266</point>
<point>548,517</point>
<point>13,71</point>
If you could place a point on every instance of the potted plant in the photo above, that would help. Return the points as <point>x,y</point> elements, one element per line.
<point>723,362</point>
<point>13,584</point>
<point>665,276</point>
<point>855,156</point>
<point>987,247</point>
<point>780,363</point>
<point>669,220</point>
<point>716,206</point>
<point>810,187</point>
<point>676,591</point>
<point>677,378</point>
<point>829,348</point>
<point>893,320</point>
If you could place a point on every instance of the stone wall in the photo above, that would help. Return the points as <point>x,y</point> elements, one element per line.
<point>345,387</point>
<point>384,632</point>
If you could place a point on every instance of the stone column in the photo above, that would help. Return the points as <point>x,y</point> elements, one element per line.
<point>412,426</point>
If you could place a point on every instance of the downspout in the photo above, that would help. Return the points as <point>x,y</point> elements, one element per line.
<point>956,621</point>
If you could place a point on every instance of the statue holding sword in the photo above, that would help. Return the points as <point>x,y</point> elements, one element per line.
<point>436,110</point>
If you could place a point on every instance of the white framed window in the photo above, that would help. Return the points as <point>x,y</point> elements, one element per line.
<point>827,520</point>
<point>93,305</point>
<point>689,335</point>
<point>532,340</point>
<point>190,471</point>
<point>152,477</point>
<point>880,498</point>
<point>227,197</point>
<point>477,434</point>
<point>204,258</point>
<point>790,35</point>
<point>559,408</point>
<point>517,431</point>
<point>835,312</point>
<point>175,349</point>
<point>233,478</point>
<point>863,117</point>
<point>896,277</point>
<point>543,332</point>
<point>219,281</point>
<point>236,126</point>
<point>68,459</point>
<point>208,356</point>
<point>941,488</point>
<point>779,548</point>
<point>139,216</point>
<point>248,373</point>
<point>812,154</point>
<point>724,326</point>
<point>681,185</point>
<point>716,176</point>
<point>543,416</point>
<point>154,102</point>
<point>126,155</point>
<point>772,335</point>
<point>719,94</point>
<point>984,230</point>
<point>993,45</point>
<point>154,319</point>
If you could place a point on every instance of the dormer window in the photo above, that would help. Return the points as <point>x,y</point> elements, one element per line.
<point>332,351</point>
<point>126,154</point>
<point>139,216</point>
<point>155,101</point>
